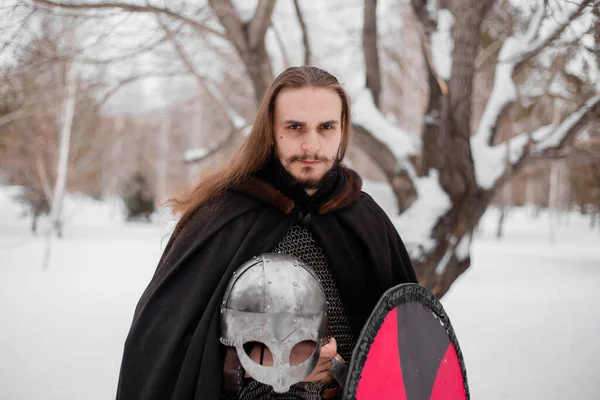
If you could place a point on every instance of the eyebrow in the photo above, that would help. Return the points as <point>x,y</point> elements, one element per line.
<point>293,122</point>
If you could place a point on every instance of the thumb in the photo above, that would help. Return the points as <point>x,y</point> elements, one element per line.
<point>330,349</point>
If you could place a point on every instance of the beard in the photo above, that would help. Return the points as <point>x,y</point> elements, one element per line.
<point>305,180</point>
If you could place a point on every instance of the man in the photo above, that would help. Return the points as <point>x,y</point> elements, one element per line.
<point>285,190</point>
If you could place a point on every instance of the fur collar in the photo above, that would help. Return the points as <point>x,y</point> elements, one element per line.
<point>267,193</point>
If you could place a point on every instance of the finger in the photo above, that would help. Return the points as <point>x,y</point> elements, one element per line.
<point>331,342</point>
<point>317,375</point>
<point>329,350</point>
<point>321,376</point>
<point>323,366</point>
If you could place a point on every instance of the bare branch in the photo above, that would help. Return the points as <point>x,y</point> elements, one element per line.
<point>534,48</point>
<point>286,59</point>
<point>137,52</point>
<point>134,8</point>
<point>260,23</point>
<point>305,41</point>
<point>487,53</point>
<point>23,112</point>
<point>515,51</point>
<point>553,137</point>
<point>132,79</point>
<point>232,23</point>
<point>427,20</point>
<point>204,82</point>
<point>197,155</point>
<point>11,40</point>
<point>249,40</point>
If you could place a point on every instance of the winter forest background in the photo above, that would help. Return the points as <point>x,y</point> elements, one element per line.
<point>476,128</point>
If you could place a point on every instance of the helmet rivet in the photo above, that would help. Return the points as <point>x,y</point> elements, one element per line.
<point>269,282</point>
<point>295,283</point>
<point>293,321</point>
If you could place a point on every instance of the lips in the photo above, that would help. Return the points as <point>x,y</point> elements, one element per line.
<point>309,162</point>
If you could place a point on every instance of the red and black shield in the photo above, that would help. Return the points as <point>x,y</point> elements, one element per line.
<point>407,350</point>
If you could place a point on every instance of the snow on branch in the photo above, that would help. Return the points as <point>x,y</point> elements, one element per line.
<point>504,90</point>
<point>366,114</point>
<point>442,44</point>
<point>246,9</point>
<point>416,223</point>
<point>196,154</point>
<point>490,161</point>
<point>552,136</point>
<point>544,41</point>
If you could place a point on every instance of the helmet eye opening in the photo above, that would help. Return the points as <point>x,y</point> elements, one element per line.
<point>259,353</point>
<point>302,352</point>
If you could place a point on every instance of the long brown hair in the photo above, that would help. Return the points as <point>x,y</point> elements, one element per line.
<point>258,146</point>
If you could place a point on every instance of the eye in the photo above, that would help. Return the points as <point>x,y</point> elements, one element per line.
<point>327,127</point>
<point>294,127</point>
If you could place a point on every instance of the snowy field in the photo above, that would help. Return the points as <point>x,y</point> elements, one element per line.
<point>526,313</point>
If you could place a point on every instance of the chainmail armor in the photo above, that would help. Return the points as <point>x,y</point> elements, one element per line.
<point>299,242</point>
<point>255,390</point>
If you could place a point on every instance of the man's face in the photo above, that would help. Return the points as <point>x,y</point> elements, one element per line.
<point>308,132</point>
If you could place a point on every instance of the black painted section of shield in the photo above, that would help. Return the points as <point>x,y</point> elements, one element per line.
<point>395,297</point>
<point>422,343</point>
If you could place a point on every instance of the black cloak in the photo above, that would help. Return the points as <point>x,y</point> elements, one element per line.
<point>173,349</point>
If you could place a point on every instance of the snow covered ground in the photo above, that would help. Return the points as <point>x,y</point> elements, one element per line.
<point>526,313</point>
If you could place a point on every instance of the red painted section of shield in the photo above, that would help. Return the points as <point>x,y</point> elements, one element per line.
<point>449,383</point>
<point>381,377</point>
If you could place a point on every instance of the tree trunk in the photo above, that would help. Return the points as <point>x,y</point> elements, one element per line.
<point>248,39</point>
<point>373,81</point>
<point>258,67</point>
<point>66,123</point>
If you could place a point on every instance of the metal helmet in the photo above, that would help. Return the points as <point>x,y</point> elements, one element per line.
<point>274,299</point>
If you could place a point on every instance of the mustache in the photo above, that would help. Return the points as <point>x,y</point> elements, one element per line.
<point>308,157</point>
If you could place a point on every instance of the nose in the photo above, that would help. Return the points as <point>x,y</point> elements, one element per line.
<point>310,142</point>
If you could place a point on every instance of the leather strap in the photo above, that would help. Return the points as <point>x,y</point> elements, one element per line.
<point>233,372</point>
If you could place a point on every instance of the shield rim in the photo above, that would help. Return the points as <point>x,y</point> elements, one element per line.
<point>392,298</point>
